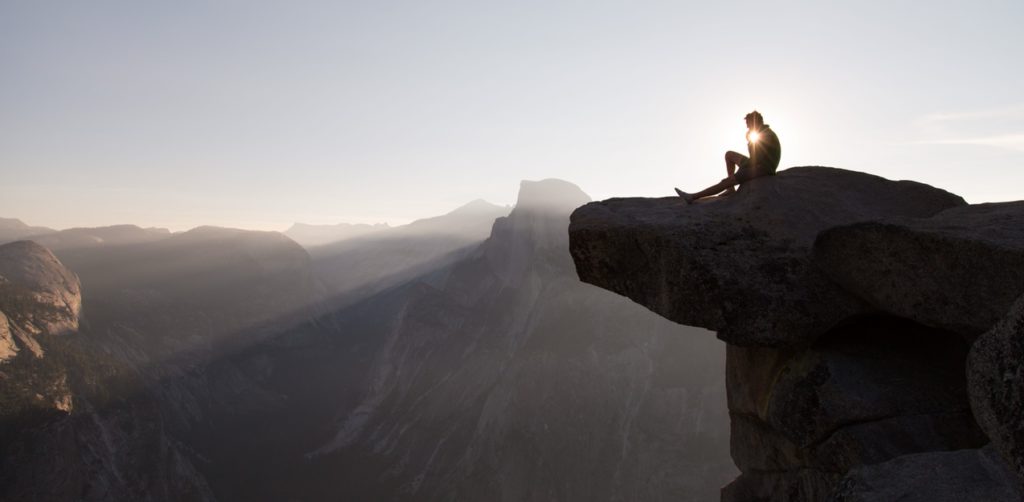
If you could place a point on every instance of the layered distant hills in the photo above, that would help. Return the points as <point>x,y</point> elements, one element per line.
<point>12,229</point>
<point>317,235</point>
<point>355,268</point>
<point>454,357</point>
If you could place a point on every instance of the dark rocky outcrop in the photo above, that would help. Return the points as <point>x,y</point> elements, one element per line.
<point>958,270</point>
<point>849,303</point>
<point>995,376</point>
<point>741,265</point>
<point>966,475</point>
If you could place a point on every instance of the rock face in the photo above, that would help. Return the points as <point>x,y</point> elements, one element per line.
<point>926,477</point>
<point>959,270</point>
<point>995,373</point>
<point>741,265</point>
<point>40,300</point>
<point>38,296</point>
<point>849,303</point>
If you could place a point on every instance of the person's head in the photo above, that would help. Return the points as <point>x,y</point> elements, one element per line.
<point>754,120</point>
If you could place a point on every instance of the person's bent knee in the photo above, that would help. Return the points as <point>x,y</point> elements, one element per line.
<point>733,157</point>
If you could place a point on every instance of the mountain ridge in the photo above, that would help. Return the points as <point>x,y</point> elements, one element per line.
<point>490,372</point>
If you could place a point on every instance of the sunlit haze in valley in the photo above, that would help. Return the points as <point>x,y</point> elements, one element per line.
<point>258,114</point>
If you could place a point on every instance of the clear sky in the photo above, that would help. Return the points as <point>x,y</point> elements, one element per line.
<point>256,114</point>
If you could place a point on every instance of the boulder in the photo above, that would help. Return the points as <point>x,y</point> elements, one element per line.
<point>864,393</point>
<point>995,374</point>
<point>741,265</point>
<point>780,486</point>
<point>870,371</point>
<point>955,476</point>
<point>958,270</point>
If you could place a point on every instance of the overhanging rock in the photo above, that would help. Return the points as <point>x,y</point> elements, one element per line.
<point>848,303</point>
<point>741,265</point>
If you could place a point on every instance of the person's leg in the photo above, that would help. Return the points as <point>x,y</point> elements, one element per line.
<point>726,183</point>
<point>732,160</point>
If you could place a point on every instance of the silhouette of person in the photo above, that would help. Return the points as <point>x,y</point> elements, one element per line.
<point>765,151</point>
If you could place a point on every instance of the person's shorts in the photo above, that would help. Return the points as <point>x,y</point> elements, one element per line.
<point>747,171</point>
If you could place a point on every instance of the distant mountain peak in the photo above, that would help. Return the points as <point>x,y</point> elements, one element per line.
<point>13,229</point>
<point>313,226</point>
<point>12,223</point>
<point>477,206</point>
<point>550,194</point>
<point>473,218</point>
<point>213,230</point>
<point>309,235</point>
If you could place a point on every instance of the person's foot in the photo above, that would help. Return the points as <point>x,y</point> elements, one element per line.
<point>685,196</point>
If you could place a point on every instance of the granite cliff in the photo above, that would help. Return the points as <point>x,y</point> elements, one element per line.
<point>874,328</point>
<point>38,297</point>
<point>40,300</point>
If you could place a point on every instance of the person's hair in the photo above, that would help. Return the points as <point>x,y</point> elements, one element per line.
<point>755,117</point>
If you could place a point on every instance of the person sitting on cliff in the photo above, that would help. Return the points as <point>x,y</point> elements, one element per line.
<point>765,151</point>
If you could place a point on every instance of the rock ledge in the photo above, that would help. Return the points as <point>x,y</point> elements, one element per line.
<point>849,304</point>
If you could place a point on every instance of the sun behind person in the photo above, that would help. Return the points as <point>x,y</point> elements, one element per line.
<point>765,152</point>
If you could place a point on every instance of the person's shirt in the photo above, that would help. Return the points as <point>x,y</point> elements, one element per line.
<point>765,154</point>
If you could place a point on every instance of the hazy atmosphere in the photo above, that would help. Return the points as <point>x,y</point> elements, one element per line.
<point>481,251</point>
<point>258,114</point>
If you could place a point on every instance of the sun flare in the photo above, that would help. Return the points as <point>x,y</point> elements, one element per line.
<point>752,136</point>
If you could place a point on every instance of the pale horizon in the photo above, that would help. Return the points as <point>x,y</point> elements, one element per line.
<point>268,226</point>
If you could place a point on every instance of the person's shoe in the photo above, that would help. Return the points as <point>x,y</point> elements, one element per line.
<point>685,196</point>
